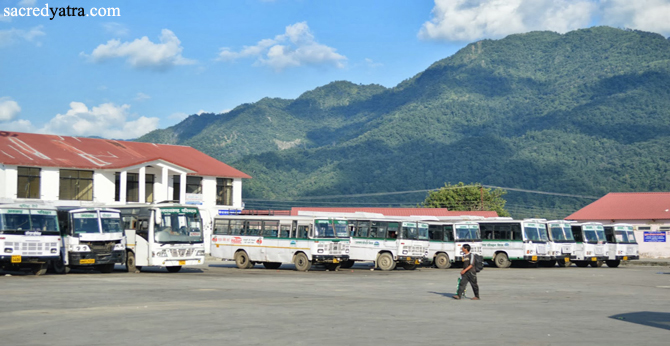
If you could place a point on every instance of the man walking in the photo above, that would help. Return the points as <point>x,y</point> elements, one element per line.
<point>468,274</point>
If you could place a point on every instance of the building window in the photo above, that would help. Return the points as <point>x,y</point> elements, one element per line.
<point>224,191</point>
<point>133,187</point>
<point>176,187</point>
<point>76,185</point>
<point>28,182</point>
<point>194,185</point>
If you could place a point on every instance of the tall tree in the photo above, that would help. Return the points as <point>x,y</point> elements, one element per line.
<point>467,197</point>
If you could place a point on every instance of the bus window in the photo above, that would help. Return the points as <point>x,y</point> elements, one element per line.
<point>435,232</point>
<point>363,230</point>
<point>303,232</point>
<point>487,230</point>
<point>254,228</point>
<point>577,234</point>
<point>377,230</point>
<point>448,232</point>
<point>270,229</point>
<point>236,227</point>
<point>221,227</point>
<point>393,229</point>
<point>285,231</point>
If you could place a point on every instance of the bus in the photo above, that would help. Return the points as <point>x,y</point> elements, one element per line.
<point>591,244</point>
<point>448,237</point>
<point>388,242</point>
<point>29,237</point>
<point>92,238</point>
<point>505,240</point>
<point>162,235</point>
<point>276,240</point>
<point>561,245</point>
<point>621,244</point>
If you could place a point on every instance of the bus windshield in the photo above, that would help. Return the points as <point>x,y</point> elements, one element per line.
<point>594,234</point>
<point>85,222</point>
<point>624,234</point>
<point>535,233</point>
<point>179,226</point>
<point>414,231</point>
<point>561,232</point>
<point>111,222</point>
<point>467,232</point>
<point>631,237</point>
<point>18,221</point>
<point>330,229</point>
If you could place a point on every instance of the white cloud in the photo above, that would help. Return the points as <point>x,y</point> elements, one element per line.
<point>12,35</point>
<point>142,53</point>
<point>116,29</point>
<point>19,125</point>
<point>178,116</point>
<point>295,47</point>
<point>106,120</point>
<point>27,3</point>
<point>141,96</point>
<point>9,109</point>
<point>647,15</point>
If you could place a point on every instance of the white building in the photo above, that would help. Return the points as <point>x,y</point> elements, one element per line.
<point>648,212</point>
<point>75,171</point>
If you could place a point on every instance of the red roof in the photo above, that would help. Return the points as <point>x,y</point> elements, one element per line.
<point>35,150</point>
<point>627,206</point>
<point>398,211</point>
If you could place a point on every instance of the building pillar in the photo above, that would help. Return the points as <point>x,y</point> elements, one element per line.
<point>162,191</point>
<point>123,183</point>
<point>142,198</point>
<point>182,188</point>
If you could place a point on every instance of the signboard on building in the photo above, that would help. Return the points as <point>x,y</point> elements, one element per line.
<point>194,198</point>
<point>654,237</point>
<point>229,212</point>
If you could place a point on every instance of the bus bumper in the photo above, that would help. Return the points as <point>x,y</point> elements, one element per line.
<point>330,258</point>
<point>537,258</point>
<point>410,259</point>
<point>28,259</point>
<point>92,258</point>
<point>627,258</point>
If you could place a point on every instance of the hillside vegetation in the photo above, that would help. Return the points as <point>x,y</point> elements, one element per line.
<point>586,113</point>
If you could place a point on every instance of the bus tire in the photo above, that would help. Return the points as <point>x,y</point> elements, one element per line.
<point>106,268</point>
<point>39,269</point>
<point>347,264</point>
<point>596,264</point>
<point>271,265</point>
<point>130,263</point>
<point>442,261</point>
<point>502,261</point>
<point>242,260</point>
<point>564,263</point>
<point>173,269</point>
<point>408,266</point>
<point>59,267</point>
<point>385,262</point>
<point>582,264</point>
<point>302,263</point>
<point>613,263</point>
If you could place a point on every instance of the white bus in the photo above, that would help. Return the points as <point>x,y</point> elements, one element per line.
<point>163,235</point>
<point>388,242</point>
<point>591,244</point>
<point>448,237</point>
<point>621,244</point>
<point>275,240</point>
<point>92,238</point>
<point>505,240</point>
<point>29,237</point>
<point>561,244</point>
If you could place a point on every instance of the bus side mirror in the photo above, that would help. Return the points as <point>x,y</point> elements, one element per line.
<point>159,217</point>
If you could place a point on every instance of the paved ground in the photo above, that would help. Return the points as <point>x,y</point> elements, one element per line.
<point>217,304</point>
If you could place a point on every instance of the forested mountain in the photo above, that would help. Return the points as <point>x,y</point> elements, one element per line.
<point>586,112</point>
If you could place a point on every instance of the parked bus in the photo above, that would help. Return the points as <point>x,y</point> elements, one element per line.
<point>591,244</point>
<point>388,242</point>
<point>505,240</point>
<point>162,235</point>
<point>621,244</point>
<point>561,245</point>
<point>92,238</point>
<point>276,240</point>
<point>447,239</point>
<point>29,237</point>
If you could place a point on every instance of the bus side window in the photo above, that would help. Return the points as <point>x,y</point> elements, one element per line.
<point>142,228</point>
<point>270,229</point>
<point>449,233</point>
<point>609,235</point>
<point>487,231</point>
<point>577,234</point>
<point>220,226</point>
<point>516,232</point>
<point>285,231</point>
<point>303,231</point>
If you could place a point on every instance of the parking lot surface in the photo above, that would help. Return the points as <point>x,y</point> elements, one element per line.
<point>218,304</point>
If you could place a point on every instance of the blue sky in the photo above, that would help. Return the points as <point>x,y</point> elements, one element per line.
<point>159,61</point>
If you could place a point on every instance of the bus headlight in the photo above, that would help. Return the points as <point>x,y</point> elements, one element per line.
<point>119,246</point>
<point>79,248</point>
<point>54,250</point>
<point>404,252</point>
<point>8,250</point>
<point>200,253</point>
<point>161,253</point>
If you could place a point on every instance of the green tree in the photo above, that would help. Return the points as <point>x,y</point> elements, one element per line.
<point>467,197</point>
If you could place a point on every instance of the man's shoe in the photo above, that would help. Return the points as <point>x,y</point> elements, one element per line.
<point>475,298</point>
<point>456,297</point>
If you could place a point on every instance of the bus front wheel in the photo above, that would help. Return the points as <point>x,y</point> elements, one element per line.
<point>385,262</point>
<point>597,264</point>
<point>242,260</point>
<point>39,269</point>
<point>59,267</point>
<point>302,263</point>
<point>442,261</point>
<point>130,262</point>
<point>613,264</point>
<point>582,264</point>
<point>347,264</point>
<point>502,261</point>
<point>409,266</point>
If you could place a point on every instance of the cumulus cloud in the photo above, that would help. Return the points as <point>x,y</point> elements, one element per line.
<point>468,20</point>
<point>295,47</point>
<point>116,29</point>
<point>13,35</point>
<point>647,15</point>
<point>106,120</point>
<point>9,109</point>
<point>142,53</point>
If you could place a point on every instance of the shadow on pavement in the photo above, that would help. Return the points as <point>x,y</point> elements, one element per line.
<point>646,318</point>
